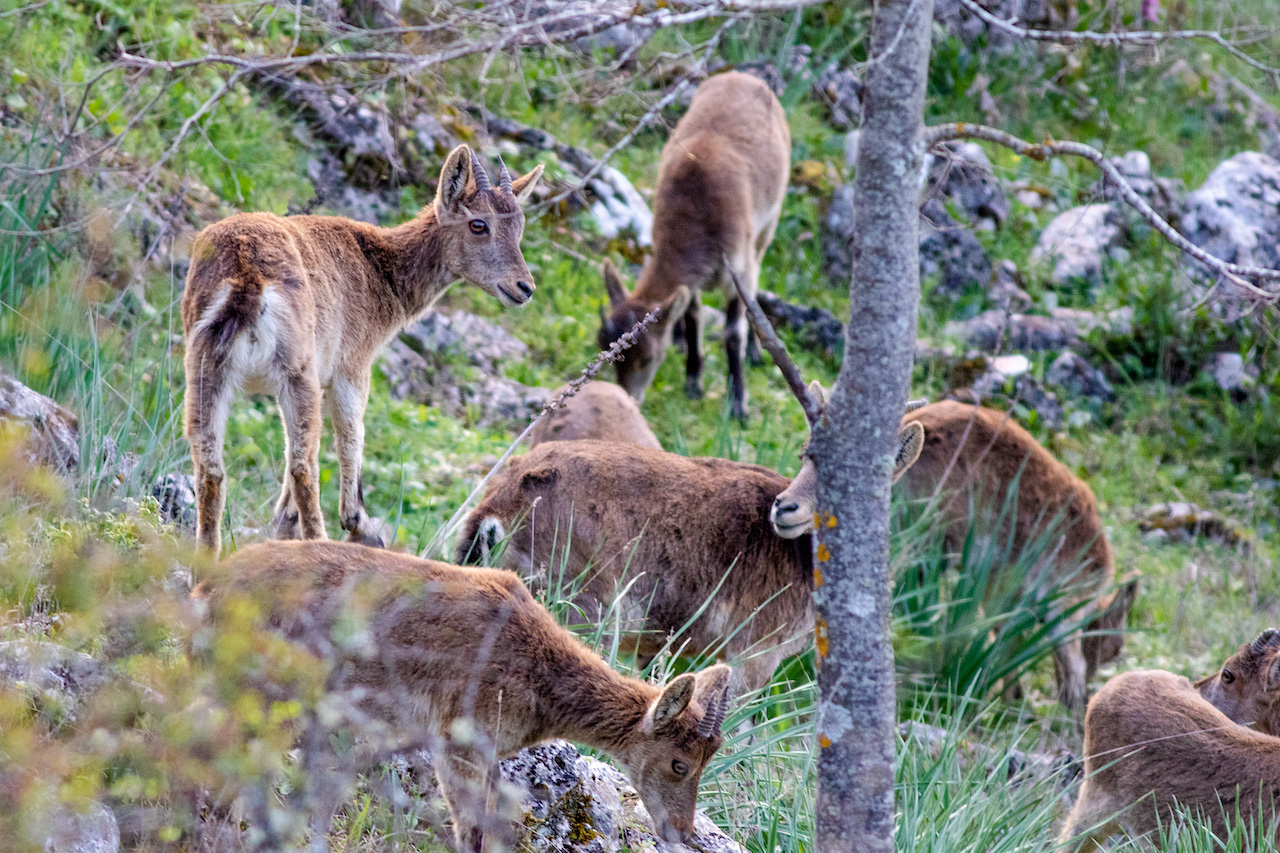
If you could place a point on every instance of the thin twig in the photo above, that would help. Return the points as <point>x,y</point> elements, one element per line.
<point>770,341</point>
<point>613,353</point>
<point>1233,273</point>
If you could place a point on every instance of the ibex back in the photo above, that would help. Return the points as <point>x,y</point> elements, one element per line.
<point>464,660</point>
<point>299,306</point>
<point>721,183</point>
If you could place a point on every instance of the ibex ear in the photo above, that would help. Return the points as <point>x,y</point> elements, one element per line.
<point>454,178</point>
<point>818,393</point>
<point>675,697</point>
<point>612,283</point>
<point>910,443</point>
<point>523,185</point>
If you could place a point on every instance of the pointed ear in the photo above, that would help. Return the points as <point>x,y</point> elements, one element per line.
<point>675,306</point>
<point>613,283</point>
<point>675,697</point>
<point>910,443</point>
<point>818,393</point>
<point>523,185</point>
<point>454,178</point>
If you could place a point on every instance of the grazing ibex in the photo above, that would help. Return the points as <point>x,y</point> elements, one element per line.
<point>1247,687</point>
<point>721,182</point>
<point>600,411</point>
<point>465,659</point>
<point>981,453</point>
<point>684,541</point>
<point>299,306</point>
<point>1153,745</point>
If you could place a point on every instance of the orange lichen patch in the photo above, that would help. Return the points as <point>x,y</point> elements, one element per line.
<point>824,553</point>
<point>817,578</point>
<point>831,520</point>
<point>824,741</point>
<point>820,636</point>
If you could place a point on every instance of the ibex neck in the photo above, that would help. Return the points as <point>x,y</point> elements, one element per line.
<point>417,268</point>
<point>591,704</point>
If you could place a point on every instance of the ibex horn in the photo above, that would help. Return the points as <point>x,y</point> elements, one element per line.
<point>504,178</point>
<point>482,177</point>
<point>912,405</point>
<point>717,708</point>
<point>1265,640</point>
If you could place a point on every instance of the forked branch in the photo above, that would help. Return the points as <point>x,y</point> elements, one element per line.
<point>770,341</point>
<point>1235,274</point>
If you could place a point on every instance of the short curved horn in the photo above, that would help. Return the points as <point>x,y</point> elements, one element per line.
<point>1267,639</point>
<point>481,176</point>
<point>504,178</point>
<point>912,405</point>
<point>711,721</point>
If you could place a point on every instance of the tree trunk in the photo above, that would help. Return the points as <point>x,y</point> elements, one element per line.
<point>854,444</point>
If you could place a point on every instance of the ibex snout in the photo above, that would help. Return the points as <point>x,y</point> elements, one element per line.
<point>526,288</point>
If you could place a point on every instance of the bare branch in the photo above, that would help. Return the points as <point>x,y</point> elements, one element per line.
<point>1137,38</point>
<point>770,341</point>
<point>1236,274</point>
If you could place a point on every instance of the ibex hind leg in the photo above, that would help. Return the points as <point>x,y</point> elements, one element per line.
<point>299,397</point>
<point>208,402</point>
<point>693,347</point>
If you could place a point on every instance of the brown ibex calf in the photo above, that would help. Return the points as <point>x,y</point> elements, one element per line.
<point>972,456</point>
<point>1154,745</point>
<point>466,658</point>
<point>721,182</point>
<point>299,306</point>
<point>1247,687</point>
<point>684,541</point>
<point>600,411</point>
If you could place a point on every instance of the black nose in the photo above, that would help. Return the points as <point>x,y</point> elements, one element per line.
<point>791,507</point>
<point>526,287</point>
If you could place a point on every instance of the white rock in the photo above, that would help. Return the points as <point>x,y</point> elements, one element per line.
<point>1076,241</point>
<point>1235,214</point>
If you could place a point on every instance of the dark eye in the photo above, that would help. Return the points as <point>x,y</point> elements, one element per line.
<point>1228,676</point>
<point>679,768</point>
<point>478,226</point>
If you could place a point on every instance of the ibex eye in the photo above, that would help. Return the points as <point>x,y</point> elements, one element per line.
<point>1228,676</point>
<point>478,226</point>
<point>679,768</point>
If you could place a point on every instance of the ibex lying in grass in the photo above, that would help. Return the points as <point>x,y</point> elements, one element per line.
<point>1152,745</point>
<point>682,540</point>
<point>466,658</point>
<point>975,455</point>
<point>721,182</point>
<point>1247,687</point>
<point>299,306</point>
<point>600,411</point>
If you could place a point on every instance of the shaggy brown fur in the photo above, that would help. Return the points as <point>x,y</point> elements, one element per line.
<point>600,411</point>
<point>1247,687</point>
<point>991,451</point>
<point>721,182</point>
<point>1152,744</point>
<point>448,644</point>
<point>299,306</point>
<point>675,533</point>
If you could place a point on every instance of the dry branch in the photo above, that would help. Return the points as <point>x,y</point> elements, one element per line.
<point>1236,274</point>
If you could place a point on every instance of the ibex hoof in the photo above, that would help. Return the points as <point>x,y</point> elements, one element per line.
<point>369,531</point>
<point>739,411</point>
<point>693,388</point>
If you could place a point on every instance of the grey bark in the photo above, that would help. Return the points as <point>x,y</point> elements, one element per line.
<point>854,442</point>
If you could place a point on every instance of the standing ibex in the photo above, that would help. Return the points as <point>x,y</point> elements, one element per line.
<point>721,183</point>
<point>299,306</point>
<point>1247,687</point>
<point>684,541</point>
<point>600,411</point>
<point>1153,745</point>
<point>972,456</point>
<point>465,659</point>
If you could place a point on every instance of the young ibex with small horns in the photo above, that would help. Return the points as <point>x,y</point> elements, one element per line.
<point>721,182</point>
<point>1153,745</point>
<point>687,539</point>
<point>299,306</point>
<point>467,660</point>
<point>1247,687</point>
<point>972,456</point>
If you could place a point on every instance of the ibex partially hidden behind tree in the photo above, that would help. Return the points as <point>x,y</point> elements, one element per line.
<point>464,660</point>
<point>971,457</point>
<point>299,306</point>
<point>721,183</point>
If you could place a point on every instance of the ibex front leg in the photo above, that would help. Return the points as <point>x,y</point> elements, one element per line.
<point>348,397</point>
